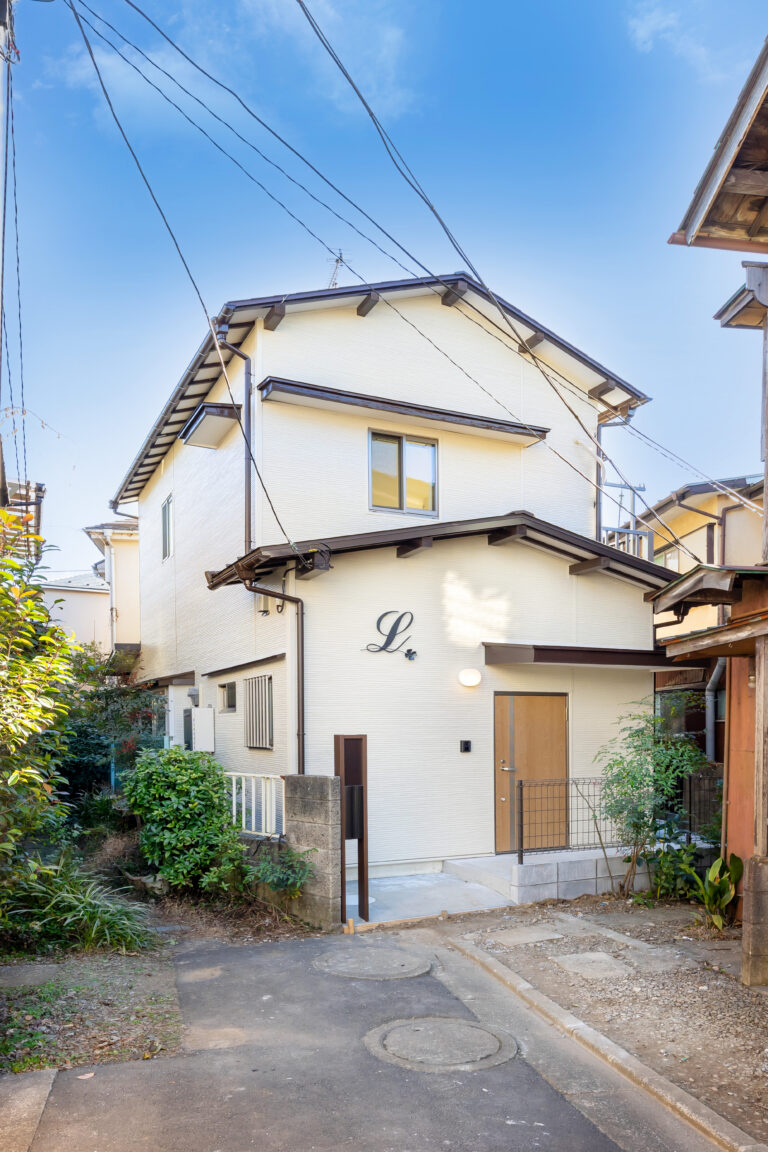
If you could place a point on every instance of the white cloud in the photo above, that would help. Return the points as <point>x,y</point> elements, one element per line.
<point>369,38</point>
<point>652,25</point>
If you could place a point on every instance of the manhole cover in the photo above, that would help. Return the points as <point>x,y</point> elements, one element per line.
<point>367,963</point>
<point>440,1044</point>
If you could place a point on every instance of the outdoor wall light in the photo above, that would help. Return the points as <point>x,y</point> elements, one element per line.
<point>470,677</point>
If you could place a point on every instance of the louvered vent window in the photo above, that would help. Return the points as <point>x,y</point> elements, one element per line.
<point>258,712</point>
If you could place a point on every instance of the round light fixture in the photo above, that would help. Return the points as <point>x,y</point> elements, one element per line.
<point>470,677</point>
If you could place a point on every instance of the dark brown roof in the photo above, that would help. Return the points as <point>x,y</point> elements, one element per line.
<point>522,526</point>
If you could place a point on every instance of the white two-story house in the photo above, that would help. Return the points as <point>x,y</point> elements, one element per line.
<point>432,521</point>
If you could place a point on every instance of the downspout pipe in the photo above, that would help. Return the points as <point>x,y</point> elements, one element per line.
<point>258,590</point>
<point>248,452</point>
<point>710,706</point>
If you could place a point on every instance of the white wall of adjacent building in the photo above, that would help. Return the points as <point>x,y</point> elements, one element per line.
<point>83,613</point>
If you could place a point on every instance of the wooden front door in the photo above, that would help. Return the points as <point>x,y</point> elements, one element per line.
<point>531,744</point>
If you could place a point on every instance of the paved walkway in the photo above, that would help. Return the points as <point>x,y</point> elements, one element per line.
<point>282,1053</point>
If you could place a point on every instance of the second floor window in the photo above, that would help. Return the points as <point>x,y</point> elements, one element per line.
<point>166,513</point>
<point>403,473</point>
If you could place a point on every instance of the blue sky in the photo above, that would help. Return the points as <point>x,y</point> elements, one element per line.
<point>561,140</point>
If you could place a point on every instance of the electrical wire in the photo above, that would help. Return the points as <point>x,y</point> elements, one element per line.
<point>281,139</point>
<point>402,167</point>
<point>18,280</point>
<point>177,246</point>
<point>332,252</point>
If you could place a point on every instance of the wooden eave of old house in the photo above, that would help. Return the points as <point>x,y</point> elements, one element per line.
<point>729,208</point>
<point>741,588</point>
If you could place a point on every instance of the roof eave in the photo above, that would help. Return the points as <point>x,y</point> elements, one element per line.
<point>747,106</point>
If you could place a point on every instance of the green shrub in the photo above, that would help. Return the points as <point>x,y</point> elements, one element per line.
<point>286,873</point>
<point>186,829</point>
<point>642,773</point>
<point>61,906</point>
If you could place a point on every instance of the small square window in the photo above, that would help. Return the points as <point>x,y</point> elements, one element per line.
<point>403,473</point>
<point>228,697</point>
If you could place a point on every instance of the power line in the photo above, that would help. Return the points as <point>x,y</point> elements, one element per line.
<point>564,459</point>
<point>409,177</point>
<point>502,338</point>
<point>593,483</point>
<point>176,245</point>
<point>18,279</point>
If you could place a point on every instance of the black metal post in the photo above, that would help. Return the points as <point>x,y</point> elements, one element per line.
<point>520,821</point>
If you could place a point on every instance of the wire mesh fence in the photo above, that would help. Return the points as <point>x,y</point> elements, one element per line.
<point>556,814</point>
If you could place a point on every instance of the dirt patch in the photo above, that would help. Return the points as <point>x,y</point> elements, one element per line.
<point>95,1010</point>
<point>687,1017</point>
<point>241,923</point>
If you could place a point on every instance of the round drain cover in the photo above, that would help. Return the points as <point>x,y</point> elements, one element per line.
<point>366,963</point>
<point>440,1044</point>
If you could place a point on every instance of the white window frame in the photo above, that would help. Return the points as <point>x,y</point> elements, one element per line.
<point>166,527</point>
<point>430,514</point>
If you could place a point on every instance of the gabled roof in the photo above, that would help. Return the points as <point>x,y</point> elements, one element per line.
<point>75,582</point>
<point>729,208</point>
<point>205,368</point>
<point>585,554</point>
<point>705,488</point>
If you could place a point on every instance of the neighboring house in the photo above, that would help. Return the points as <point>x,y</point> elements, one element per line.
<point>118,542</point>
<point>79,602</point>
<point>729,210</point>
<point>461,637</point>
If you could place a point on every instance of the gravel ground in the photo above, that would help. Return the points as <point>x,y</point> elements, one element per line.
<point>692,1020</point>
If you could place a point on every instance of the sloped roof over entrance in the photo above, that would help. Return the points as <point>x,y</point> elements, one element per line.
<point>240,315</point>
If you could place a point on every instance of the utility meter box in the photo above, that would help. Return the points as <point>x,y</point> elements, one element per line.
<point>202,729</point>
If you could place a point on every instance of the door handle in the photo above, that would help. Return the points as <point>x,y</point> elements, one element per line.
<point>506,767</point>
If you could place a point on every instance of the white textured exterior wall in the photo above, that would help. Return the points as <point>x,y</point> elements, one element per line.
<point>84,615</point>
<point>426,799</point>
<point>323,486</point>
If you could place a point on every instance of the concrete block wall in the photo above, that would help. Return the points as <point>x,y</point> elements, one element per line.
<point>547,876</point>
<point>313,822</point>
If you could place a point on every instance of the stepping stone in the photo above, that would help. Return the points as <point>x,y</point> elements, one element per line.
<point>362,962</point>
<point>440,1044</point>
<point>525,934</point>
<point>594,966</point>
<point>27,975</point>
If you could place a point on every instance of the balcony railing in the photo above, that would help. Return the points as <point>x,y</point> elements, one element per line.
<point>634,541</point>
<point>556,814</point>
<point>258,803</point>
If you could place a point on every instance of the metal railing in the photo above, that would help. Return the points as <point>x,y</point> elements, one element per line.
<point>258,803</point>
<point>557,814</point>
<point>634,541</point>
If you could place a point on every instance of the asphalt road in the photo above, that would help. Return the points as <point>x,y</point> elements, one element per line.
<point>276,1059</point>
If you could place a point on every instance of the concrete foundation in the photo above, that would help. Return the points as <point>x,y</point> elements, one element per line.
<point>559,875</point>
<point>754,944</point>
